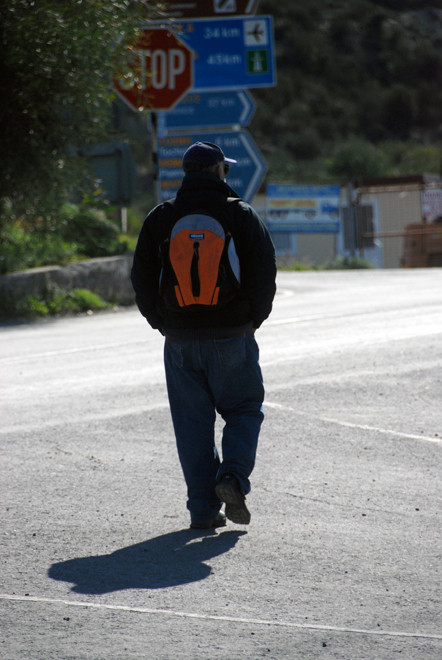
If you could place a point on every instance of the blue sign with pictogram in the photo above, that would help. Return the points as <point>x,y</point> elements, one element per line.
<point>245,177</point>
<point>230,53</point>
<point>304,209</point>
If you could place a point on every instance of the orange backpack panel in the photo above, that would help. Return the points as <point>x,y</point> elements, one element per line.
<point>201,263</point>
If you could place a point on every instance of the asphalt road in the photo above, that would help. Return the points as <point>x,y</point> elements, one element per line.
<point>342,558</point>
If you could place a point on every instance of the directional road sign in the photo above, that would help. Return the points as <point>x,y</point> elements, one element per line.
<point>245,177</point>
<point>208,109</point>
<point>160,73</point>
<point>210,8</point>
<point>231,53</point>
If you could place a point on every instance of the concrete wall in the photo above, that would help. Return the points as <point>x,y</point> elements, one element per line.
<point>108,277</point>
<point>396,209</point>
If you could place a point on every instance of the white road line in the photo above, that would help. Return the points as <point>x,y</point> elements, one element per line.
<point>352,314</point>
<point>85,419</point>
<point>213,617</point>
<point>363,427</point>
<point>70,351</point>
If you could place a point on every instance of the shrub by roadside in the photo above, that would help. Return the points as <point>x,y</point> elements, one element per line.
<point>55,302</point>
<point>80,232</point>
<point>93,234</point>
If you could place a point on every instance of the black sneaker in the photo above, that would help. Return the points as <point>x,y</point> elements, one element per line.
<point>228,491</point>
<point>218,521</point>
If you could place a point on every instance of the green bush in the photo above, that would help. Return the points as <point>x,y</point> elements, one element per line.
<point>22,248</point>
<point>78,232</point>
<point>356,158</point>
<point>93,234</point>
<point>83,300</point>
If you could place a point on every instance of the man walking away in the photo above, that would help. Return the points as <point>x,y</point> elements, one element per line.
<point>204,275</point>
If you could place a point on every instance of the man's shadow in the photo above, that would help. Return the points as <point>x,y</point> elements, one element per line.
<point>164,561</point>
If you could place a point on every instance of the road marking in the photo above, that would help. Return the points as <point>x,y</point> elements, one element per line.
<point>85,419</point>
<point>362,427</point>
<point>427,307</point>
<point>214,617</point>
<point>70,351</point>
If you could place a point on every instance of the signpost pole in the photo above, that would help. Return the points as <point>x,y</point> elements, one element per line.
<point>351,220</point>
<point>155,154</point>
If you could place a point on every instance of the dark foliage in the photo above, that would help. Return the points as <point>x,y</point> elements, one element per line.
<point>364,68</point>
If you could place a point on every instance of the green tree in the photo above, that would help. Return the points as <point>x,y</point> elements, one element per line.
<point>356,158</point>
<point>366,68</point>
<point>422,158</point>
<point>57,58</point>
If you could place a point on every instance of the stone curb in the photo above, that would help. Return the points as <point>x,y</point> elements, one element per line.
<point>109,277</point>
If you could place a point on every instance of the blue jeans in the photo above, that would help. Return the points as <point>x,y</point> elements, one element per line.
<point>204,377</point>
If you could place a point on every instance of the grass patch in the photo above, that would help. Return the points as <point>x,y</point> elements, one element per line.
<point>348,263</point>
<point>55,302</point>
<point>288,263</point>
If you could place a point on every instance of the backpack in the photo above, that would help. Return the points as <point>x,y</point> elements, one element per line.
<point>199,264</point>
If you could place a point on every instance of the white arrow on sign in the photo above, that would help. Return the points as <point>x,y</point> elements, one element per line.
<point>247,105</point>
<point>260,166</point>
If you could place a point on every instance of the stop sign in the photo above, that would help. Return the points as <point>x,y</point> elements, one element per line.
<point>160,72</point>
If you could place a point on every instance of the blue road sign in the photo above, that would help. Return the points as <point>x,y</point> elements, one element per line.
<point>230,53</point>
<point>208,109</point>
<point>245,177</point>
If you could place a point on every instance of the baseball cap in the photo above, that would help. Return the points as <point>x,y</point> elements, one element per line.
<point>204,154</point>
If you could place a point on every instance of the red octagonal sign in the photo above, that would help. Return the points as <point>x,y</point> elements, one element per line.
<point>160,72</point>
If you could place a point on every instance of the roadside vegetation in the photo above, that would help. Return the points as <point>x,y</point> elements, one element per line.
<point>55,302</point>
<point>359,94</point>
<point>80,231</point>
<point>56,101</point>
<point>359,90</point>
<point>289,263</point>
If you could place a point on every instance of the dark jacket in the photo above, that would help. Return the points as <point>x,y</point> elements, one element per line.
<point>252,304</point>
